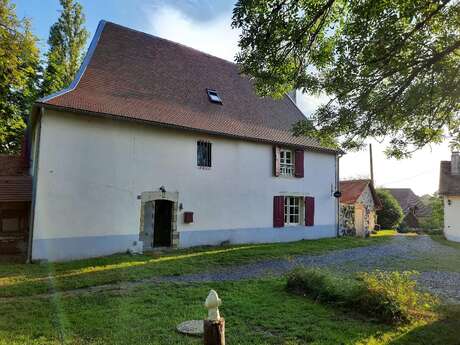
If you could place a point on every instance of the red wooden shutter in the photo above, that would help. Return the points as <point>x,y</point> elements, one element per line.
<point>276,160</point>
<point>309,211</point>
<point>298,165</point>
<point>278,211</point>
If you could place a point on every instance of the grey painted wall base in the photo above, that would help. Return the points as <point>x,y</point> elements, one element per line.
<point>70,248</point>
<point>255,235</point>
<point>451,237</point>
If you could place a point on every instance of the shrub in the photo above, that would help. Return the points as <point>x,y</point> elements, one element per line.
<point>393,296</point>
<point>388,296</point>
<point>391,214</point>
<point>323,286</point>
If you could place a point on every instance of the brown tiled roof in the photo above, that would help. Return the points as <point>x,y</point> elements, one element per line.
<point>448,184</point>
<point>12,165</point>
<point>15,188</point>
<point>136,76</point>
<point>409,201</point>
<point>352,190</point>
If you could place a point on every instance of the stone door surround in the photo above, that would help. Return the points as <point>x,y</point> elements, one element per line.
<point>159,195</point>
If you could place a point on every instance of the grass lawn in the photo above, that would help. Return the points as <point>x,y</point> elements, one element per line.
<point>256,312</point>
<point>23,280</point>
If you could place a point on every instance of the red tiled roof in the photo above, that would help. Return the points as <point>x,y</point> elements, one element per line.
<point>352,190</point>
<point>15,188</point>
<point>448,184</point>
<point>136,76</point>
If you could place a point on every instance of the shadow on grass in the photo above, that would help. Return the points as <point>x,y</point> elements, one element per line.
<point>23,280</point>
<point>444,331</point>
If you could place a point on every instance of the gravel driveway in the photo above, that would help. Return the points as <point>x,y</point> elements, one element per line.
<point>444,284</point>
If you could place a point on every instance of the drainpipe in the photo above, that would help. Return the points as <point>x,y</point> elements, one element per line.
<point>35,161</point>
<point>337,187</point>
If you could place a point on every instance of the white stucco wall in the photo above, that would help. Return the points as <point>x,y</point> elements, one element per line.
<point>91,171</point>
<point>452,218</point>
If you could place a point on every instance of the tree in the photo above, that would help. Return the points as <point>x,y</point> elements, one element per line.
<point>390,68</point>
<point>391,214</point>
<point>435,221</point>
<point>66,42</point>
<point>19,65</point>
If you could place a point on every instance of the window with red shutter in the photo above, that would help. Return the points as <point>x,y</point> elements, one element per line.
<point>278,211</point>
<point>309,211</point>
<point>298,166</point>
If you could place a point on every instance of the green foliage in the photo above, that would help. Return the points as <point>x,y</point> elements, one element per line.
<point>323,286</point>
<point>391,214</point>
<point>67,40</point>
<point>388,296</point>
<point>393,296</point>
<point>390,68</point>
<point>19,66</point>
<point>436,219</point>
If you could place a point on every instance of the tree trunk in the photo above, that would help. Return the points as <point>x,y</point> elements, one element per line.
<point>214,332</point>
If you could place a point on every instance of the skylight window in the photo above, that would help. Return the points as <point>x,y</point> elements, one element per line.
<point>213,96</point>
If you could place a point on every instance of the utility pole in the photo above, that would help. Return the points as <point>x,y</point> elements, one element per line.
<point>372,164</point>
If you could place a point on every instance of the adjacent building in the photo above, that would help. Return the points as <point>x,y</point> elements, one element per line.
<point>159,145</point>
<point>449,189</point>
<point>15,202</point>
<point>358,206</point>
<point>414,210</point>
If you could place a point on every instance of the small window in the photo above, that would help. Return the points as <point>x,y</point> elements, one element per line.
<point>213,96</point>
<point>292,210</point>
<point>204,154</point>
<point>286,162</point>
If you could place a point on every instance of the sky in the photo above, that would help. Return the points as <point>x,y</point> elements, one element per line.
<point>205,25</point>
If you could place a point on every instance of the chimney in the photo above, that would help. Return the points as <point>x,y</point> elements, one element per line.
<point>455,163</point>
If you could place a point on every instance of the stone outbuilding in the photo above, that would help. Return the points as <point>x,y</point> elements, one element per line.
<point>358,206</point>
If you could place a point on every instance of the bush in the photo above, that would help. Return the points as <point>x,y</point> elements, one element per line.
<point>388,296</point>
<point>391,214</point>
<point>393,296</point>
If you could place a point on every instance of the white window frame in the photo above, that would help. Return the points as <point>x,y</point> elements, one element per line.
<point>287,162</point>
<point>293,206</point>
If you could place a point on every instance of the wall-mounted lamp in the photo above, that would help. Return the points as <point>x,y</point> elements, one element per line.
<point>181,207</point>
<point>163,191</point>
<point>337,194</point>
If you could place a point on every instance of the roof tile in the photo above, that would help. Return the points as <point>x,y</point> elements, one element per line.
<point>136,76</point>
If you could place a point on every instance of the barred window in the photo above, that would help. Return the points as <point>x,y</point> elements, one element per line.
<point>204,154</point>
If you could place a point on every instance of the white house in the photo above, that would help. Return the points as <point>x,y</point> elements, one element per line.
<point>156,144</point>
<point>449,188</point>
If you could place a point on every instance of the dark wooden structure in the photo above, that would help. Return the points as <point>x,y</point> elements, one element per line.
<point>15,201</point>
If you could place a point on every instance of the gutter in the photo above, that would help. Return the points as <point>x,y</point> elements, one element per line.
<point>337,181</point>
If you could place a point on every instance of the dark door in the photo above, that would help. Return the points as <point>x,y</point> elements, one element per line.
<point>162,226</point>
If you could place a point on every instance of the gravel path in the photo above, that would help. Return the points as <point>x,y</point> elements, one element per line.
<point>445,284</point>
